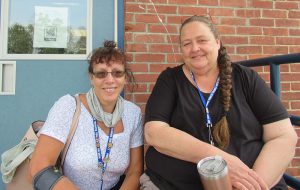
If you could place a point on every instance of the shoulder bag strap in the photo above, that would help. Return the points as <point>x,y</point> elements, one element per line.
<point>72,130</point>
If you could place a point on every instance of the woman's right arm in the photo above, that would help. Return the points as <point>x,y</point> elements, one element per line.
<point>178,144</point>
<point>46,153</point>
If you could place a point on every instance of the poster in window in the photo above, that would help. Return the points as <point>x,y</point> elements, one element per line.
<point>51,27</point>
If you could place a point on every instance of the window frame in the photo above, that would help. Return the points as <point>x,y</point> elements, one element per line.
<point>4,38</point>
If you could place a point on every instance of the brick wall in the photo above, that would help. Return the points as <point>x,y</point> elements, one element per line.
<point>249,29</point>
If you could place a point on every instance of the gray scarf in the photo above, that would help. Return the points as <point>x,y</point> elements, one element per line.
<point>109,119</point>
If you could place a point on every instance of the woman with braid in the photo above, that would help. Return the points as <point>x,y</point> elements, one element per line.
<point>207,107</point>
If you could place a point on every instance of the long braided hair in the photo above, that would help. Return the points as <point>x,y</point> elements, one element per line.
<point>221,132</point>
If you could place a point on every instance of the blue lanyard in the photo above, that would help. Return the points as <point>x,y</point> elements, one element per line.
<point>206,103</point>
<point>102,163</point>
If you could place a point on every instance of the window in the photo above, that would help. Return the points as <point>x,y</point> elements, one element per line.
<point>45,29</point>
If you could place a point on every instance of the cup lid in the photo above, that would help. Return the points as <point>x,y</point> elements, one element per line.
<point>214,166</point>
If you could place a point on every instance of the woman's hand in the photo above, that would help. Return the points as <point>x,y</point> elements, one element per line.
<point>242,177</point>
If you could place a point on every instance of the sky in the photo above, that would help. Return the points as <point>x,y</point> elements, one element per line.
<point>23,10</point>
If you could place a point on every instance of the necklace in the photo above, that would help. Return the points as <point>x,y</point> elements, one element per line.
<point>102,162</point>
<point>205,104</point>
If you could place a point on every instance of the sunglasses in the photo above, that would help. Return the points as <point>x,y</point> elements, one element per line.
<point>104,74</point>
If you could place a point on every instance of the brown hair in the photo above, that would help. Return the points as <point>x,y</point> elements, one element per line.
<point>221,133</point>
<point>109,52</point>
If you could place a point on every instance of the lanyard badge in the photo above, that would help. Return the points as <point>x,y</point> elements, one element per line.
<point>205,104</point>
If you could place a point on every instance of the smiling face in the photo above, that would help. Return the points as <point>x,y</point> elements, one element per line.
<point>110,87</point>
<point>199,47</point>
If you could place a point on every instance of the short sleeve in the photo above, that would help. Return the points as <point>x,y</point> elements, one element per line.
<point>266,106</point>
<point>161,102</point>
<point>137,136</point>
<point>59,118</point>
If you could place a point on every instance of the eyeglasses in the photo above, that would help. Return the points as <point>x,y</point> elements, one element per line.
<point>104,74</point>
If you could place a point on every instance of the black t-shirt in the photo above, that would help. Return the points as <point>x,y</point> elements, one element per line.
<point>175,100</point>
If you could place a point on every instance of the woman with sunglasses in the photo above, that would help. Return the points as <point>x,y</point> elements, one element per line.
<point>108,141</point>
<point>208,107</point>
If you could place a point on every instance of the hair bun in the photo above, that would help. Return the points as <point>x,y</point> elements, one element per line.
<point>110,44</point>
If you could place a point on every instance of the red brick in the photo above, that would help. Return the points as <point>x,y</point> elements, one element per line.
<point>286,104</point>
<point>129,17</point>
<point>249,30</point>
<point>165,48</point>
<point>134,8</point>
<point>286,5</point>
<point>149,18</point>
<point>230,49</point>
<point>234,40</point>
<point>258,69</point>
<point>275,49</point>
<point>233,3</point>
<point>295,162</point>
<point>149,57</point>
<point>249,49</point>
<point>173,39</point>
<point>150,38</point>
<point>135,67</point>
<point>294,49</point>
<point>295,105</point>
<point>139,88</point>
<point>135,47</point>
<point>284,68</point>
<point>290,77</point>
<point>141,98</point>
<point>263,40</point>
<point>287,23</point>
<point>160,67</point>
<point>294,14</point>
<point>290,96</point>
<point>142,106</point>
<point>174,58</point>
<point>145,77</point>
<point>294,112</point>
<point>248,13</point>
<point>128,37</point>
<point>274,14</point>
<point>135,27</point>
<point>162,9</point>
<point>225,30</point>
<point>175,19</point>
<point>295,86</point>
<point>295,67</point>
<point>275,31</point>
<point>129,96</point>
<point>261,4</point>
<point>159,28</point>
<point>266,77</point>
<point>257,56</point>
<point>149,1</point>
<point>235,58</point>
<point>288,40</point>
<point>151,87</point>
<point>233,21</point>
<point>294,32</point>
<point>285,86</point>
<point>294,171</point>
<point>192,10</point>
<point>129,57</point>
<point>183,2</point>
<point>262,22</point>
<point>216,11</point>
<point>208,2</point>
